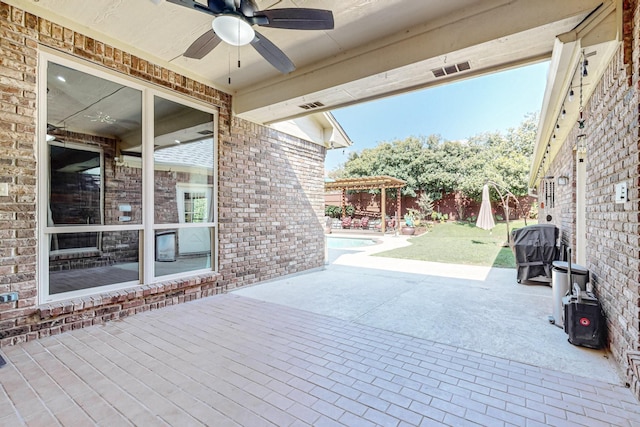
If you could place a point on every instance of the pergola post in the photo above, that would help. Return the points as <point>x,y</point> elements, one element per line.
<point>343,202</point>
<point>383,209</point>
<point>398,208</point>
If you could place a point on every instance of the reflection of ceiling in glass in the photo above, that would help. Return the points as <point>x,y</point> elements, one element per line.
<point>199,154</point>
<point>86,104</point>
<point>176,123</point>
<point>79,102</point>
<point>64,159</point>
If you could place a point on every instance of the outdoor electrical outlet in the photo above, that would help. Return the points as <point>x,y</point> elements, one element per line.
<point>9,297</point>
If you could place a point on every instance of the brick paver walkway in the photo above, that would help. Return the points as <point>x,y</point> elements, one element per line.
<point>231,360</point>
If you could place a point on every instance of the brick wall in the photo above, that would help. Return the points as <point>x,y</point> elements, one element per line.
<point>613,230</point>
<point>271,202</point>
<point>270,190</point>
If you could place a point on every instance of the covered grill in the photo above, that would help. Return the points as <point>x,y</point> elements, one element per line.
<point>535,248</point>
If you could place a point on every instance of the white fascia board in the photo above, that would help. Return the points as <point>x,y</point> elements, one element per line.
<point>564,59</point>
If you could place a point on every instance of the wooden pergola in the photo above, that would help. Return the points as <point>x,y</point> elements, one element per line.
<point>381,183</point>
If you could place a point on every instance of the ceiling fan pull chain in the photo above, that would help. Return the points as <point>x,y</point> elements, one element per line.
<point>238,46</point>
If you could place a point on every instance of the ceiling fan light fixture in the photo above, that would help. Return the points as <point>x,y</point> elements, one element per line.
<point>233,29</point>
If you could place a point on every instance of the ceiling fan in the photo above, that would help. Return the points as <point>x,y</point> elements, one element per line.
<point>234,20</point>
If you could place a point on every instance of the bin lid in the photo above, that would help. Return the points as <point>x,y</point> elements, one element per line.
<point>563,266</point>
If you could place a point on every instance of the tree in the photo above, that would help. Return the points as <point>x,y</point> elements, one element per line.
<point>400,159</point>
<point>437,167</point>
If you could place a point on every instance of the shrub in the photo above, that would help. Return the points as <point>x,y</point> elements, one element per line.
<point>425,204</point>
<point>350,210</point>
<point>333,211</point>
<point>440,217</point>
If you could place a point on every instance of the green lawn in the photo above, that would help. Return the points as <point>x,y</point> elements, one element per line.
<point>461,243</point>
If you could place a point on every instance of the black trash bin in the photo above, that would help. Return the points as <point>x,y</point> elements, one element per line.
<point>535,247</point>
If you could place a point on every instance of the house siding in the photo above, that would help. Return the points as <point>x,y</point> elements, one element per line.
<point>270,190</point>
<point>612,229</point>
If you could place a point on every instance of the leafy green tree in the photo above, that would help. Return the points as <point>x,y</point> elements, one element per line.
<point>438,167</point>
<point>400,159</point>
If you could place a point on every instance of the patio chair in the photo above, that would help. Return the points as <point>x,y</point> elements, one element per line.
<point>364,223</point>
<point>346,222</point>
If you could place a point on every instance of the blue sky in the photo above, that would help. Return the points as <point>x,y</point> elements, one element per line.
<point>456,111</point>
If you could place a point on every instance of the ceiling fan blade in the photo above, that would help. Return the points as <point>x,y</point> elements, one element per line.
<point>272,54</point>
<point>247,8</point>
<point>203,45</point>
<point>216,6</point>
<point>192,4</point>
<point>297,19</point>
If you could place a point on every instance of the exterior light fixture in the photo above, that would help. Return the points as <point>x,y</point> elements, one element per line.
<point>581,144</point>
<point>563,114</point>
<point>571,95</point>
<point>585,72</point>
<point>233,29</point>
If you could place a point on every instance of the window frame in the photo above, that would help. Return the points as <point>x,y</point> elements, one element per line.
<point>148,227</point>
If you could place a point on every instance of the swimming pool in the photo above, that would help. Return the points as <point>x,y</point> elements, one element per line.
<point>348,242</point>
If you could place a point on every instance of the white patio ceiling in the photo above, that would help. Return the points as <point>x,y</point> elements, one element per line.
<point>378,48</point>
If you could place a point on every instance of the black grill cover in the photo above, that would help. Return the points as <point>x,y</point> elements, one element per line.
<point>535,248</point>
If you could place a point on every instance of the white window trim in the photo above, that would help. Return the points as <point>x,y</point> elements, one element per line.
<point>147,228</point>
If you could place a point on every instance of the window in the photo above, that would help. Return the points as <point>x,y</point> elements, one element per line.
<point>114,189</point>
<point>183,184</point>
<point>195,206</point>
<point>75,193</point>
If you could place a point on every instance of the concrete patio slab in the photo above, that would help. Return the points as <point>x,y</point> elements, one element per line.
<point>477,308</point>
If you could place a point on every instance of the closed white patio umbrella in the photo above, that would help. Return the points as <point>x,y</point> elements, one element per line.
<point>485,217</point>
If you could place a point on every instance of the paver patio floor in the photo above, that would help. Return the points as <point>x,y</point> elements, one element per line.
<point>232,360</point>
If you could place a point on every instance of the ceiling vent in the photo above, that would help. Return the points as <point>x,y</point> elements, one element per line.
<point>205,132</point>
<point>451,69</point>
<point>311,105</point>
